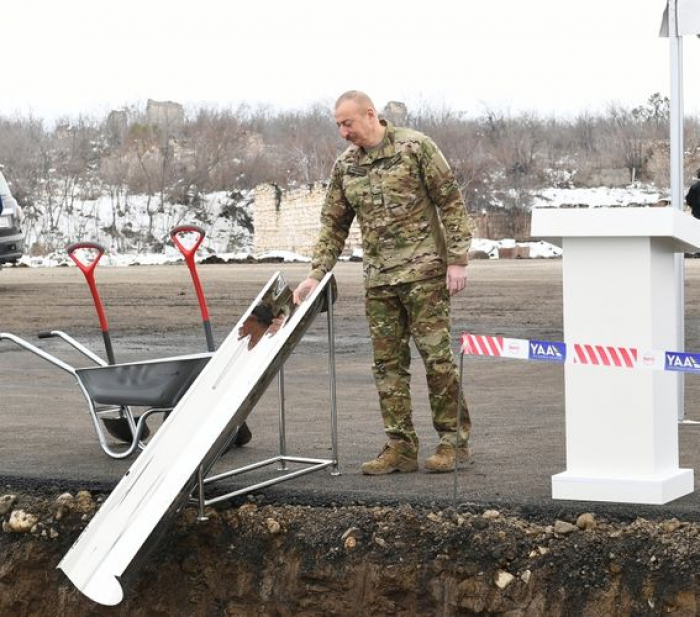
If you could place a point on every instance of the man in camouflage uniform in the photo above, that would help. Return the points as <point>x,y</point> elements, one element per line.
<point>415,239</point>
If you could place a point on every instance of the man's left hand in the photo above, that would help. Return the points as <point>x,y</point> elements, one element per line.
<point>456,278</point>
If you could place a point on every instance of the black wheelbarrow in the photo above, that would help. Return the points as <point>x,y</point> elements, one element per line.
<point>112,389</point>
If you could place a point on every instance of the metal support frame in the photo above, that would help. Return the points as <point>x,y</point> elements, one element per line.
<point>459,427</point>
<point>313,464</point>
<point>676,171</point>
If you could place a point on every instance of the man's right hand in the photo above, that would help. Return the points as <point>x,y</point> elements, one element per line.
<point>303,290</point>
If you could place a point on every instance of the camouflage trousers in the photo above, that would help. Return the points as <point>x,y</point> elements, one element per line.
<point>418,310</point>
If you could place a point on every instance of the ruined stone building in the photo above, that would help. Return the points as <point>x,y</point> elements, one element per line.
<point>117,126</point>
<point>166,115</point>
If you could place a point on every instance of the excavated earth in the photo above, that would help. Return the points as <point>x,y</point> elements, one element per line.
<point>255,558</point>
<point>399,549</point>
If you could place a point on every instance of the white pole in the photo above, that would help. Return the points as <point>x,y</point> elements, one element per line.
<point>677,188</point>
<point>676,111</point>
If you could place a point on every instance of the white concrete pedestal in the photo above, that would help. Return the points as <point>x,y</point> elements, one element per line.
<point>620,289</point>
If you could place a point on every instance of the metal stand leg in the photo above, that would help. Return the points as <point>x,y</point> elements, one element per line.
<point>200,495</point>
<point>282,426</point>
<point>459,428</point>
<point>331,372</point>
<point>311,464</point>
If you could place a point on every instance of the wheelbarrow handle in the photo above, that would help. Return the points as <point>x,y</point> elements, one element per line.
<point>183,229</point>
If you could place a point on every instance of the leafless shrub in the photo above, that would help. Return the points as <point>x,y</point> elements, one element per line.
<point>498,157</point>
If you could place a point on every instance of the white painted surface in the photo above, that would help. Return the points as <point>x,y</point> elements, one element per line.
<point>619,288</point>
<point>677,229</point>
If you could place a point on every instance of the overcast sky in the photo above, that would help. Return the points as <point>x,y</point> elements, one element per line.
<point>66,57</point>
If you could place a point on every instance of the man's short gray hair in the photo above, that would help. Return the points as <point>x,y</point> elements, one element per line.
<point>355,95</point>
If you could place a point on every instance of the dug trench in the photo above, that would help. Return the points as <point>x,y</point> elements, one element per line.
<point>257,558</point>
<point>347,545</point>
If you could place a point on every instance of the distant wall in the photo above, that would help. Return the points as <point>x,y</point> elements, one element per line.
<point>289,220</point>
<point>605,176</point>
<point>499,224</point>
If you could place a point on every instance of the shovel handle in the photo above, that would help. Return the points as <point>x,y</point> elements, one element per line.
<point>88,269</point>
<point>85,267</point>
<point>184,229</point>
<point>188,253</point>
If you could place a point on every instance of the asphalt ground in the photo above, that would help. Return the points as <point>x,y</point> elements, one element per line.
<point>517,407</point>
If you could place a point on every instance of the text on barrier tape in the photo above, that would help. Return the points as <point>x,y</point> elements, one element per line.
<point>578,353</point>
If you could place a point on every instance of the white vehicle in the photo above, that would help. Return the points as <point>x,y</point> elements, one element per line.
<point>11,238</point>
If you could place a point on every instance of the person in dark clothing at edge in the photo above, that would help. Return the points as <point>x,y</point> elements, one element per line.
<point>415,238</point>
<point>693,196</point>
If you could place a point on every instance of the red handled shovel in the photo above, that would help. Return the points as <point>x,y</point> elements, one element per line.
<point>189,253</point>
<point>87,267</point>
<point>87,262</point>
<point>243,435</point>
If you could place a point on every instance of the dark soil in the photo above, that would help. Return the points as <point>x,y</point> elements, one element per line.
<point>255,558</point>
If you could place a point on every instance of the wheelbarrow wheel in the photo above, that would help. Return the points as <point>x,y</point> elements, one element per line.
<point>243,435</point>
<point>241,438</point>
<point>119,429</point>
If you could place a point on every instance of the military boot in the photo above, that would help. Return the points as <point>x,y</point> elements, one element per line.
<point>397,455</point>
<point>444,458</point>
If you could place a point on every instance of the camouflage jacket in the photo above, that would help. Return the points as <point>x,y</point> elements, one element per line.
<point>411,213</point>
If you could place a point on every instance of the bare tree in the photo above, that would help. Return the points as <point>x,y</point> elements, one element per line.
<point>499,159</point>
<point>628,141</point>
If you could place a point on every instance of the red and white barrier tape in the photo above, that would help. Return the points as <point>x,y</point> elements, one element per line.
<point>578,353</point>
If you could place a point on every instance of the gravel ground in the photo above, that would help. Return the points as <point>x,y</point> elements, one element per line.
<point>517,407</point>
